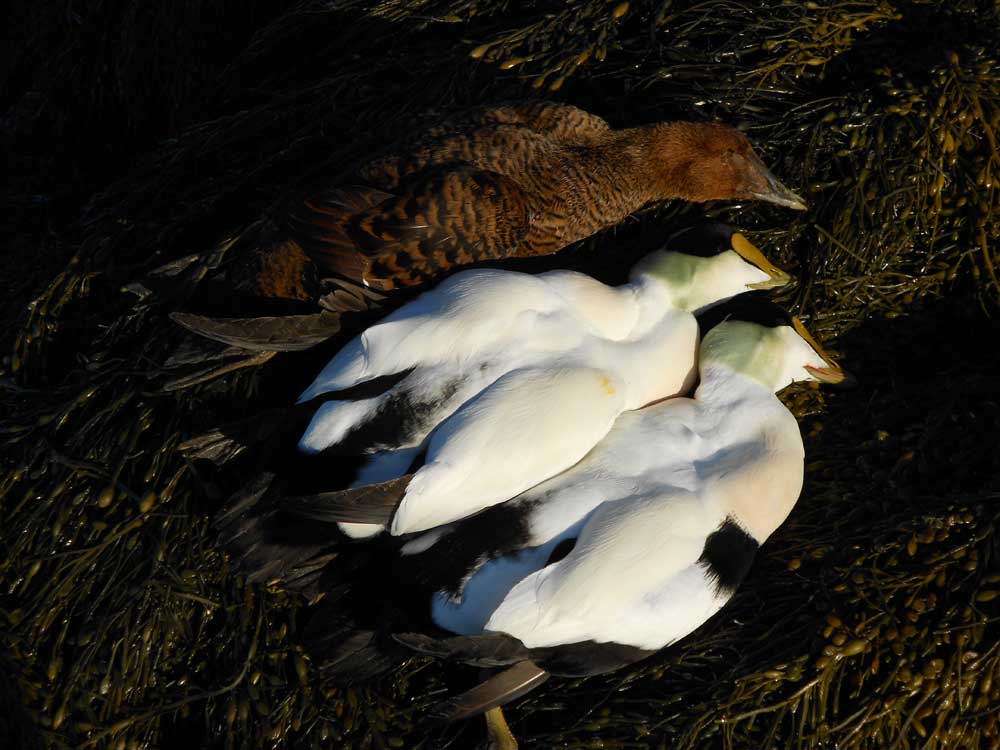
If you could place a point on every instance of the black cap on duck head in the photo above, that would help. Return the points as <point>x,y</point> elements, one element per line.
<point>749,307</point>
<point>703,240</point>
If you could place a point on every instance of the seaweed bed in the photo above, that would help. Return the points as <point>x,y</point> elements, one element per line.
<point>140,133</point>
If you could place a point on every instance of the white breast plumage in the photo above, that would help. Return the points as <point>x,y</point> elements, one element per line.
<point>516,376</point>
<point>642,508</point>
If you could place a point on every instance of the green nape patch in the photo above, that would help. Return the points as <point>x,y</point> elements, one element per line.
<point>870,620</point>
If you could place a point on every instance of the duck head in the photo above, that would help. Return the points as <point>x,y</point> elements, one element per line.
<point>703,161</point>
<point>708,263</point>
<point>757,338</point>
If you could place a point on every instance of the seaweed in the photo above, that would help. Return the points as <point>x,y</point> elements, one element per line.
<point>870,620</point>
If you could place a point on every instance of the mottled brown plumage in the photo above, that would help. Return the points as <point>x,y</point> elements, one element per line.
<point>515,180</point>
<point>489,183</point>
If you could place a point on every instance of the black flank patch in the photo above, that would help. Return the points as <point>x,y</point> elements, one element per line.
<point>561,550</point>
<point>749,307</point>
<point>702,240</point>
<point>395,423</point>
<point>727,556</point>
<point>495,532</point>
<point>418,461</point>
<point>368,389</point>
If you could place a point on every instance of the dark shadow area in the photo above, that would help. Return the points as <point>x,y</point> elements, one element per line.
<point>134,134</point>
<point>17,729</point>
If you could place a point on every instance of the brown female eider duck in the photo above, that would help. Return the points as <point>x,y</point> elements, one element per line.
<point>491,183</point>
<point>516,181</point>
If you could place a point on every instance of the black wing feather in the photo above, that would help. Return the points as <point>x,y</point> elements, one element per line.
<point>372,503</point>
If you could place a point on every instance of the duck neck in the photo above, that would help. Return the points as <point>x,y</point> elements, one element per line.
<point>686,282</point>
<point>607,181</point>
<point>721,385</point>
<point>653,297</point>
<point>663,156</point>
<point>758,468</point>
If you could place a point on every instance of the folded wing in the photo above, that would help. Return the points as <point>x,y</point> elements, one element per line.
<point>529,425</point>
<point>442,218</point>
<point>644,572</point>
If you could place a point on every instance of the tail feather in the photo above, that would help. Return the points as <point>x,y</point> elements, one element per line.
<point>361,657</point>
<point>499,689</point>
<point>346,652</point>
<point>352,199</point>
<point>335,253</point>
<point>348,296</point>
<point>285,333</point>
<point>372,503</point>
<point>231,519</point>
<point>174,282</point>
<point>224,443</point>
<point>264,544</point>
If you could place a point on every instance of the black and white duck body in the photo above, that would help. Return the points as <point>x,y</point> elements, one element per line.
<point>506,379</point>
<point>651,533</point>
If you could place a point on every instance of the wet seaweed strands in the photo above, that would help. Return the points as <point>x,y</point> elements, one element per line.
<point>874,619</point>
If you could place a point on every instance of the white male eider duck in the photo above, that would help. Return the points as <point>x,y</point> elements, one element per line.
<point>517,375</point>
<point>627,552</point>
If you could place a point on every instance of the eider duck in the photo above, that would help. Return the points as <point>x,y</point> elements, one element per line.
<point>491,183</point>
<point>625,553</point>
<point>515,181</point>
<point>518,376</point>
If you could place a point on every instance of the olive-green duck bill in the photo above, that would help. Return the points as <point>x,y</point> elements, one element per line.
<point>774,191</point>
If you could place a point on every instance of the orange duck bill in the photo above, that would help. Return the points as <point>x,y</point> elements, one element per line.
<point>833,373</point>
<point>751,254</point>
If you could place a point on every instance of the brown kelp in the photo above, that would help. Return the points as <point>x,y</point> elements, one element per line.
<point>871,619</point>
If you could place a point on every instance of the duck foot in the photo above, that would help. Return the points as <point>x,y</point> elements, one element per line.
<point>499,734</point>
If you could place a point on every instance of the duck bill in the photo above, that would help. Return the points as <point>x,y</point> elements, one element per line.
<point>832,375</point>
<point>751,254</point>
<point>774,191</point>
<point>778,279</point>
